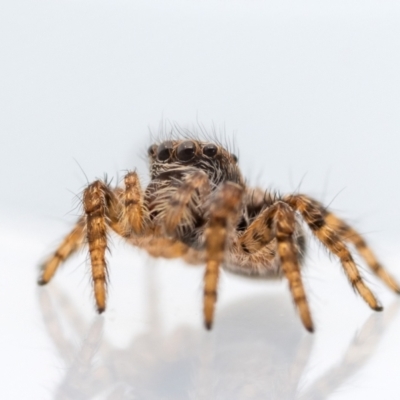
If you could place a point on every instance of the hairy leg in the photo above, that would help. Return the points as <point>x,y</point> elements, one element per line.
<point>134,213</point>
<point>315,218</point>
<point>120,210</point>
<point>285,226</point>
<point>188,195</point>
<point>223,213</point>
<point>260,232</point>
<point>95,200</point>
<point>68,246</point>
<point>278,221</point>
<point>349,234</point>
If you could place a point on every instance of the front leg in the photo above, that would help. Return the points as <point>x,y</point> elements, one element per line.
<point>134,212</point>
<point>120,210</point>
<point>224,212</point>
<point>178,208</point>
<point>123,211</point>
<point>95,200</point>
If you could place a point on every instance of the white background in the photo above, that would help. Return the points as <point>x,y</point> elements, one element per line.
<point>311,92</point>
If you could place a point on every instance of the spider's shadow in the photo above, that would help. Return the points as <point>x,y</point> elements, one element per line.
<point>257,351</point>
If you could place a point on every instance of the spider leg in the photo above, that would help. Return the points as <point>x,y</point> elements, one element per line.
<point>195,186</point>
<point>278,221</point>
<point>260,232</point>
<point>121,210</point>
<point>95,205</point>
<point>315,218</point>
<point>72,242</point>
<point>285,226</point>
<point>223,212</point>
<point>134,213</point>
<point>349,234</point>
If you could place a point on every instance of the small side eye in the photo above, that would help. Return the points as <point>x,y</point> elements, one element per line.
<point>210,150</point>
<point>186,151</point>
<point>164,151</point>
<point>234,158</point>
<point>152,150</point>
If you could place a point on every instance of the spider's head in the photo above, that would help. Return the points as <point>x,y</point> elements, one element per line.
<point>172,158</point>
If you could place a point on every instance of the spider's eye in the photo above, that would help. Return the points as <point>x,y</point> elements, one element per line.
<point>210,150</point>
<point>164,151</point>
<point>151,151</point>
<point>234,158</point>
<point>186,151</point>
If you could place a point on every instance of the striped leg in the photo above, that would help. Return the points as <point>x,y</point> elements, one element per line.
<point>119,210</point>
<point>314,217</point>
<point>122,211</point>
<point>278,221</point>
<point>260,232</point>
<point>72,242</point>
<point>349,234</point>
<point>285,228</point>
<point>223,212</point>
<point>188,195</point>
<point>134,211</point>
<point>95,204</point>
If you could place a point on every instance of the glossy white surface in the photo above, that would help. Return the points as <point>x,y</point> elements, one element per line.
<point>310,90</point>
<point>150,343</point>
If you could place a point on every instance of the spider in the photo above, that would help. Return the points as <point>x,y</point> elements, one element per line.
<point>197,206</point>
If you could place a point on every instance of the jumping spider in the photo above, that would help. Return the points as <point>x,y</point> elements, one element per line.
<point>197,206</point>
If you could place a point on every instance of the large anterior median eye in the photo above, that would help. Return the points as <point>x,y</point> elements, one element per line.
<point>210,150</point>
<point>186,151</point>
<point>164,151</point>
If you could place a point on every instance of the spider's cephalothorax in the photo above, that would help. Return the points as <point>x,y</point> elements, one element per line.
<point>198,207</point>
<point>180,167</point>
<point>173,158</point>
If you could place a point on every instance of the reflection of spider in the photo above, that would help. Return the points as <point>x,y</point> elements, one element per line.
<point>180,363</point>
<point>198,207</point>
